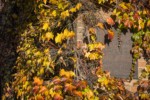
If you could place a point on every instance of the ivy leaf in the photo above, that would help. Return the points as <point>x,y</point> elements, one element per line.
<point>56,80</point>
<point>37,81</point>
<point>67,74</point>
<point>58,38</point>
<point>78,6</point>
<point>92,30</point>
<point>43,89</point>
<point>94,56</point>
<point>45,26</point>
<point>65,14</point>
<point>148,23</point>
<point>35,89</point>
<point>54,13</point>
<point>101,1</point>
<point>100,25</point>
<point>110,21</point>
<point>58,97</point>
<point>81,84</point>
<point>103,81</point>
<point>45,1</point>
<point>57,87</point>
<point>68,34</point>
<point>141,24</point>
<point>72,10</point>
<point>69,87</point>
<point>110,34</point>
<point>49,35</point>
<point>77,93</point>
<point>122,5</point>
<point>39,97</point>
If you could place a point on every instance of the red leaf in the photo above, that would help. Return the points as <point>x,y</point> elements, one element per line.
<point>136,16</point>
<point>35,89</point>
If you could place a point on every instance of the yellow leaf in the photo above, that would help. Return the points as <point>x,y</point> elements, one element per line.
<point>54,13</point>
<point>45,1</point>
<point>141,24</point>
<point>65,14</point>
<point>52,92</point>
<point>46,63</point>
<point>53,1</point>
<point>94,56</point>
<point>41,70</point>
<point>45,26</point>
<point>58,38</point>
<point>25,84</point>
<point>123,5</point>
<point>101,1</point>
<point>71,34</point>
<point>103,81</point>
<point>100,25</point>
<point>92,30</point>
<point>72,10</point>
<point>78,6</point>
<point>66,32</point>
<point>49,35</point>
<point>58,24</point>
<point>67,74</point>
<point>87,54</point>
<point>148,23</point>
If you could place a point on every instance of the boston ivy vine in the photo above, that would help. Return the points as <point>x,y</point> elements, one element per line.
<point>48,66</point>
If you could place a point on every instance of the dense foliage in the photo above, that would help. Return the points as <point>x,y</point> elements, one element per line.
<point>52,65</point>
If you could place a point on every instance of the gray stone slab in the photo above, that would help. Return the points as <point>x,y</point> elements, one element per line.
<point>117,60</point>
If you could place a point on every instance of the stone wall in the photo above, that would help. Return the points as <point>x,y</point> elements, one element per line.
<point>117,60</point>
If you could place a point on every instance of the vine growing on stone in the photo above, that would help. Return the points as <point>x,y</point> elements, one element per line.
<point>50,63</point>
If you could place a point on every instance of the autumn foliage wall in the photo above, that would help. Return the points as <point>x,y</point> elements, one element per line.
<point>49,60</point>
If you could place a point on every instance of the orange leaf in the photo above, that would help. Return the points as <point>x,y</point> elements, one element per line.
<point>56,80</point>
<point>38,81</point>
<point>43,89</point>
<point>81,84</point>
<point>100,25</point>
<point>77,93</point>
<point>69,87</point>
<point>65,79</point>
<point>110,21</point>
<point>58,97</point>
<point>45,1</point>
<point>39,97</point>
<point>24,79</point>
<point>128,23</point>
<point>57,87</point>
<point>110,34</point>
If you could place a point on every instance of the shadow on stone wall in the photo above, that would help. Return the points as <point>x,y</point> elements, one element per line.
<point>9,39</point>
